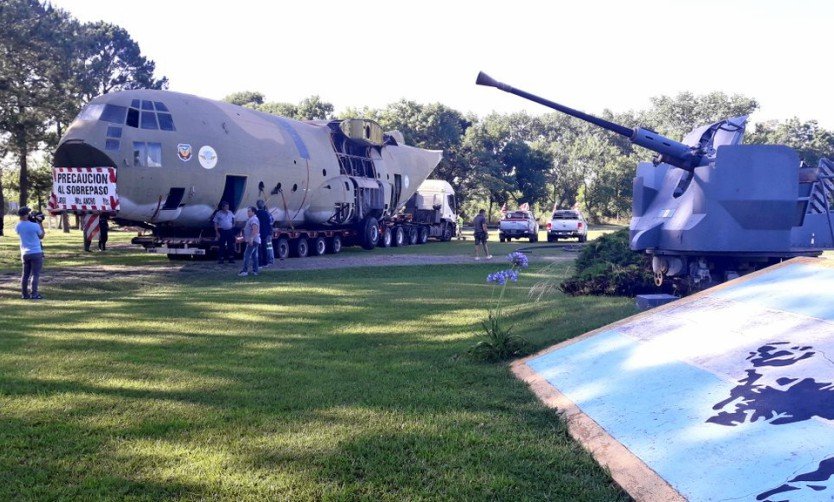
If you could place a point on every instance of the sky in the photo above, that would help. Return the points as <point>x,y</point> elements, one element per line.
<point>589,55</point>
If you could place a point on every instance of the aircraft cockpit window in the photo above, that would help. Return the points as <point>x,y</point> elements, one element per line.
<point>160,107</point>
<point>154,154</point>
<point>139,154</point>
<point>135,103</point>
<point>114,114</point>
<point>91,112</point>
<point>132,117</point>
<point>149,120</point>
<point>147,105</point>
<point>166,122</point>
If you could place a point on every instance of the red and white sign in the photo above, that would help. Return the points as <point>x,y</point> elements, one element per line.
<point>84,189</point>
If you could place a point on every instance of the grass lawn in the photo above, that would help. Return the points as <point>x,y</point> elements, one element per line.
<point>330,384</point>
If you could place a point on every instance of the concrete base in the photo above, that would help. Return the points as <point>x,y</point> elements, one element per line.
<point>724,395</point>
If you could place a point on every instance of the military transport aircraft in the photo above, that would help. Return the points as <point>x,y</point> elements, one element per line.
<point>176,156</point>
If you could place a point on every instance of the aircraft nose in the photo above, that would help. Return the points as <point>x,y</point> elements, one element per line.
<point>77,153</point>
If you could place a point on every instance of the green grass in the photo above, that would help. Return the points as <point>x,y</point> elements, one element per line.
<point>332,384</point>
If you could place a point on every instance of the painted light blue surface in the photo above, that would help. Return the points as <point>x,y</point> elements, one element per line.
<point>659,413</point>
<point>287,126</point>
<point>653,385</point>
<point>797,288</point>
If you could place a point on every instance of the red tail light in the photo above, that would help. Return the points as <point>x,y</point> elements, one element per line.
<point>579,225</point>
<point>549,225</point>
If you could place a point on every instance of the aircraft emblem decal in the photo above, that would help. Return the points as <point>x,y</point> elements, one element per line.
<point>208,157</point>
<point>184,152</point>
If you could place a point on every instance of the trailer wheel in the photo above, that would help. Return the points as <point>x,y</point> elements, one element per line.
<point>386,238</point>
<point>412,236</point>
<point>500,238</point>
<point>398,237</point>
<point>424,235</point>
<point>583,238</point>
<point>301,247</point>
<point>552,238</point>
<point>282,248</point>
<point>446,234</point>
<point>370,233</point>
<point>336,244</point>
<point>319,246</point>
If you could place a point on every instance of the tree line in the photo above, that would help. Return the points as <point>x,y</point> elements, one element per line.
<point>51,65</point>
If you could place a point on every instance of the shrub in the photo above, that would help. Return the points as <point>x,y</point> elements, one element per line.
<point>607,266</point>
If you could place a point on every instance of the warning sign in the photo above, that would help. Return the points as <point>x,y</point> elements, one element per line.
<point>83,189</point>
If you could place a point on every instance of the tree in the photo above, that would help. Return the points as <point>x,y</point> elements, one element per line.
<point>249,99</point>
<point>112,61</point>
<point>313,108</point>
<point>28,68</point>
<point>675,116</point>
<point>809,139</point>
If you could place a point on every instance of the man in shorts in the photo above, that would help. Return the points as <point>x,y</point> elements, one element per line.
<point>481,235</point>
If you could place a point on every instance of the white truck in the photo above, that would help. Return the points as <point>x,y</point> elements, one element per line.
<point>518,225</point>
<point>567,223</point>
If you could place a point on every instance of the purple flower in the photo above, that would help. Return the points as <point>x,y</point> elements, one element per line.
<point>518,259</point>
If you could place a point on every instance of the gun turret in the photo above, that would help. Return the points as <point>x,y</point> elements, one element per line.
<point>670,151</point>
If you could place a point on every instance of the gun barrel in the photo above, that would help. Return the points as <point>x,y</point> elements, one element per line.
<point>484,79</point>
<point>671,151</point>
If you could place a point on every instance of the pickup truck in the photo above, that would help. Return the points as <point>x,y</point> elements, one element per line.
<point>567,223</point>
<point>517,225</point>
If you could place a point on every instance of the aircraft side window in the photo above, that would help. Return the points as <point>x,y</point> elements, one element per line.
<point>132,117</point>
<point>139,154</point>
<point>154,154</point>
<point>111,144</point>
<point>166,122</point>
<point>114,114</point>
<point>149,120</point>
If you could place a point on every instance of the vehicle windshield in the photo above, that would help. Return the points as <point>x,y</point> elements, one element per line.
<point>565,215</point>
<point>516,215</point>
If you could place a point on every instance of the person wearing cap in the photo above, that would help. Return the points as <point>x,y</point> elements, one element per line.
<point>31,253</point>
<point>224,228</point>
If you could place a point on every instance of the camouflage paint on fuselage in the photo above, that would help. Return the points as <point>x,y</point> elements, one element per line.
<point>267,150</point>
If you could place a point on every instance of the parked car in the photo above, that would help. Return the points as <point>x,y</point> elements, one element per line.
<point>567,223</point>
<point>517,225</point>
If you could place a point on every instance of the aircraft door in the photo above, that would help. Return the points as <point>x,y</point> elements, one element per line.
<point>233,191</point>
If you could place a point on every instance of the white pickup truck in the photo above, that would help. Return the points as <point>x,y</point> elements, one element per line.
<point>517,225</point>
<point>567,223</point>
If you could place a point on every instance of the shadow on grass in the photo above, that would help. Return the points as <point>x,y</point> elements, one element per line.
<point>332,384</point>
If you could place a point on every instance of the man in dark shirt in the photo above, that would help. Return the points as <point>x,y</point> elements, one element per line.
<point>265,221</point>
<point>481,235</point>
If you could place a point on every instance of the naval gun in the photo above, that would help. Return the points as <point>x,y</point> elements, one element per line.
<point>710,208</point>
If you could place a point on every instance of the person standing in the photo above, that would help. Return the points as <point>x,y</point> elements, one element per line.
<point>103,231</point>
<point>31,252</point>
<point>265,221</point>
<point>252,237</point>
<point>481,235</point>
<point>224,228</point>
